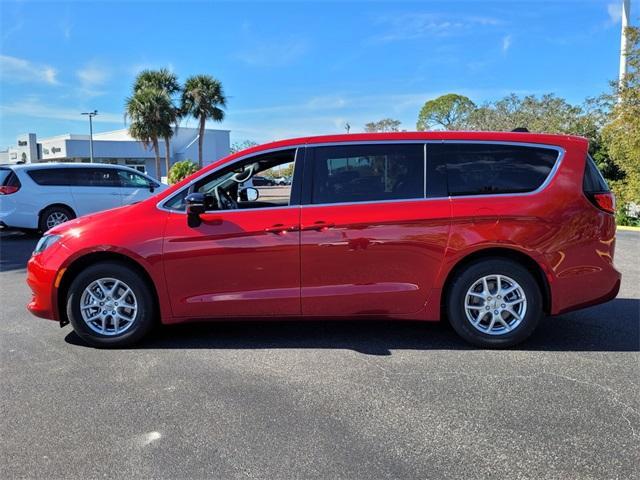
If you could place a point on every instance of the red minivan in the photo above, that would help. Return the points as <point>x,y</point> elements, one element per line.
<point>488,230</point>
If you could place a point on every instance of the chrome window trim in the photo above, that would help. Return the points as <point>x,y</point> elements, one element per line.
<point>372,202</point>
<point>561,152</point>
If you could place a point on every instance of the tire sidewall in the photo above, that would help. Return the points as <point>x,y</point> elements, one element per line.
<point>143,321</point>
<point>471,274</point>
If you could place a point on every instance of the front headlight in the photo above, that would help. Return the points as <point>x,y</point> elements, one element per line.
<point>45,242</point>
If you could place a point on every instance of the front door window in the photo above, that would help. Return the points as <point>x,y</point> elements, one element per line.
<point>226,188</point>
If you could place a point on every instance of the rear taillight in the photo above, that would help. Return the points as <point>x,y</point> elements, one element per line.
<point>8,189</point>
<point>596,189</point>
<point>604,201</point>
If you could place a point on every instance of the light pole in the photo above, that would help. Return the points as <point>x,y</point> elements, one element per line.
<point>624,42</point>
<point>91,115</point>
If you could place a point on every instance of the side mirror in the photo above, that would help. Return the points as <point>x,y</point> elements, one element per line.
<point>249,194</point>
<point>195,207</point>
<point>152,187</point>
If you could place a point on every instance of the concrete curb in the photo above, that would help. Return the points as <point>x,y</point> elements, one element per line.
<point>628,229</point>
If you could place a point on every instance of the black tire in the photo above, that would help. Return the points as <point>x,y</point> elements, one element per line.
<point>143,320</point>
<point>473,272</point>
<point>53,210</point>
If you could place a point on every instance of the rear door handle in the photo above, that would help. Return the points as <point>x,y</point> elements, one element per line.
<point>319,226</point>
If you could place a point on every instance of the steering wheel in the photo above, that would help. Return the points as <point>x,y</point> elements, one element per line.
<point>225,201</point>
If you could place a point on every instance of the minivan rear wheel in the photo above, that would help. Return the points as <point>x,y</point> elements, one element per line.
<point>494,302</point>
<point>53,216</point>
<point>110,305</point>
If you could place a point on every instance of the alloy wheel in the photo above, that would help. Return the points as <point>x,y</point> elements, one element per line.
<point>108,306</point>
<point>495,304</point>
<point>56,218</point>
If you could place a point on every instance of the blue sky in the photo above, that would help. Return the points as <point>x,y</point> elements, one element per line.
<point>297,68</point>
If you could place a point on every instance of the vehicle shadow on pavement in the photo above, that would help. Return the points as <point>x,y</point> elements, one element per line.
<point>614,326</point>
<point>15,249</point>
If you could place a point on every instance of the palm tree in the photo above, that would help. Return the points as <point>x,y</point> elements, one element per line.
<point>203,98</point>
<point>150,112</point>
<point>167,82</point>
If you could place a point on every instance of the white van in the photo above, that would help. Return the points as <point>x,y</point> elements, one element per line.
<point>41,196</point>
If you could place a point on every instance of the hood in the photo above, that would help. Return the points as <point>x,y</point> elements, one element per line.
<point>77,225</point>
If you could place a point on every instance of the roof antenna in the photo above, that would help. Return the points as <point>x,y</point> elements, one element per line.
<point>520,129</point>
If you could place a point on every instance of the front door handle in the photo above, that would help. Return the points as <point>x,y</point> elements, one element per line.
<point>280,229</point>
<point>319,226</point>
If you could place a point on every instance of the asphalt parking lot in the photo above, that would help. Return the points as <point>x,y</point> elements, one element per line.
<point>321,399</point>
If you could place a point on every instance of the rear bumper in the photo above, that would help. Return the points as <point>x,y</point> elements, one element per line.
<point>587,292</point>
<point>613,293</point>
<point>13,218</point>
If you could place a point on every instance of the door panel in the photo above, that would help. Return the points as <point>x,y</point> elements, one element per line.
<point>236,263</point>
<point>95,189</point>
<point>135,187</point>
<point>371,258</point>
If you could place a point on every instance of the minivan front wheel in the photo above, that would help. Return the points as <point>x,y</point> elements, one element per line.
<point>494,302</point>
<point>54,216</point>
<point>110,305</point>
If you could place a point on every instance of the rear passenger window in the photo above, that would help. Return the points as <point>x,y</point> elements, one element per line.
<point>96,177</point>
<point>50,176</point>
<point>481,169</point>
<point>365,173</point>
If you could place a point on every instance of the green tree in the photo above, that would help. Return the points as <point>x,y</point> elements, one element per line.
<point>621,132</point>
<point>384,125</point>
<point>181,170</point>
<point>149,113</point>
<point>242,145</point>
<point>203,98</point>
<point>547,113</point>
<point>449,111</point>
<point>166,82</point>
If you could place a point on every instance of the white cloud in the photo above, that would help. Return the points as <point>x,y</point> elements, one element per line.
<point>33,107</point>
<point>614,9</point>
<point>93,77</point>
<point>506,43</point>
<point>273,54</point>
<point>19,70</point>
<point>411,26</point>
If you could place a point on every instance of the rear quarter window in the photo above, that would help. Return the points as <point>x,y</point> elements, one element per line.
<point>51,176</point>
<point>4,175</point>
<point>485,169</point>
<point>593,181</point>
<point>8,178</point>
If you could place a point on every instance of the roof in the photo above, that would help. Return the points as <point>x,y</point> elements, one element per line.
<point>41,165</point>
<point>520,137</point>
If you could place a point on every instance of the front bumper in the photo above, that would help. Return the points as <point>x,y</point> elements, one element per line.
<point>41,280</point>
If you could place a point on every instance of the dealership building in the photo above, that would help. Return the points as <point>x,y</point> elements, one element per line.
<point>117,147</point>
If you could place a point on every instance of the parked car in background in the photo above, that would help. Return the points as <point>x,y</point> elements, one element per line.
<point>41,196</point>
<point>281,181</point>
<point>491,231</point>
<point>259,181</point>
